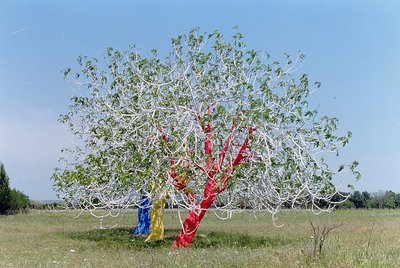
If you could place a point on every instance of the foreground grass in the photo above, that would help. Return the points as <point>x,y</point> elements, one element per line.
<point>365,239</point>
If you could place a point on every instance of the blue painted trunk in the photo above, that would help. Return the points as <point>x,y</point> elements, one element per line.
<point>143,217</point>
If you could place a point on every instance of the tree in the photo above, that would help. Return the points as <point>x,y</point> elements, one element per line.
<point>5,191</point>
<point>389,199</point>
<point>358,199</point>
<point>397,200</point>
<point>347,204</point>
<point>382,199</point>
<point>19,201</point>
<point>213,123</point>
<point>11,200</point>
<point>366,195</point>
<point>367,199</point>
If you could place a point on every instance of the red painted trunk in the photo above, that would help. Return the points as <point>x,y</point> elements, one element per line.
<point>192,221</point>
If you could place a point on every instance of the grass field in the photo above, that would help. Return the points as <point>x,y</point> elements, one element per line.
<point>48,239</point>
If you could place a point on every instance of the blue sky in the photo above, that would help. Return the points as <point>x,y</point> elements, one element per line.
<point>352,47</point>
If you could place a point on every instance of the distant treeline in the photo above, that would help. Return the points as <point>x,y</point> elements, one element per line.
<point>366,200</point>
<point>358,200</point>
<point>43,205</point>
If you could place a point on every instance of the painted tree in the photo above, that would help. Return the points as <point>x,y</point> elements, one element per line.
<point>214,124</point>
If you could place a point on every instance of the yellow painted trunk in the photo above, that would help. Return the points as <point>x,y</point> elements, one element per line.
<point>156,220</point>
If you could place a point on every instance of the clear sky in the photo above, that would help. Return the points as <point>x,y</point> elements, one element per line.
<point>352,47</point>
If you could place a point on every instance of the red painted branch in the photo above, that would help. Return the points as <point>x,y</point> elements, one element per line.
<point>207,129</point>
<point>192,221</point>
<point>241,154</point>
<point>228,141</point>
<point>222,154</point>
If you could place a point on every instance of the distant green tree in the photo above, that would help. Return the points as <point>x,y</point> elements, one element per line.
<point>11,200</point>
<point>397,200</point>
<point>372,202</point>
<point>5,191</point>
<point>382,200</point>
<point>346,205</point>
<point>19,201</point>
<point>366,195</point>
<point>358,199</point>
<point>389,199</point>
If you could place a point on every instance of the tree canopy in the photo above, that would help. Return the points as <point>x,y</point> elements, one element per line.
<point>5,191</point>
<point>11,200</point>
<point>212,119</point>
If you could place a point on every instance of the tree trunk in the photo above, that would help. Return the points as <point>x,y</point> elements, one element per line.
<point>156,220</point>
<point>143,217</point>
<point>192,221</point>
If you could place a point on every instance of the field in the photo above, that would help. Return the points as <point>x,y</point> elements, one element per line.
<point>369,238</point>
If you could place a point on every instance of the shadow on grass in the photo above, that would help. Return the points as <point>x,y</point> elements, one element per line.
<point>121,238</point>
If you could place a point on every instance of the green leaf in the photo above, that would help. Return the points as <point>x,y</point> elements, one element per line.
<point>341,167</point>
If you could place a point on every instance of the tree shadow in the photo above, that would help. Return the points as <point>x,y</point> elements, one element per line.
<point>121,238</point>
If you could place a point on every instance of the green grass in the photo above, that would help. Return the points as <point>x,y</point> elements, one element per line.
<point>247,240</point>
<point>119,238</point>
